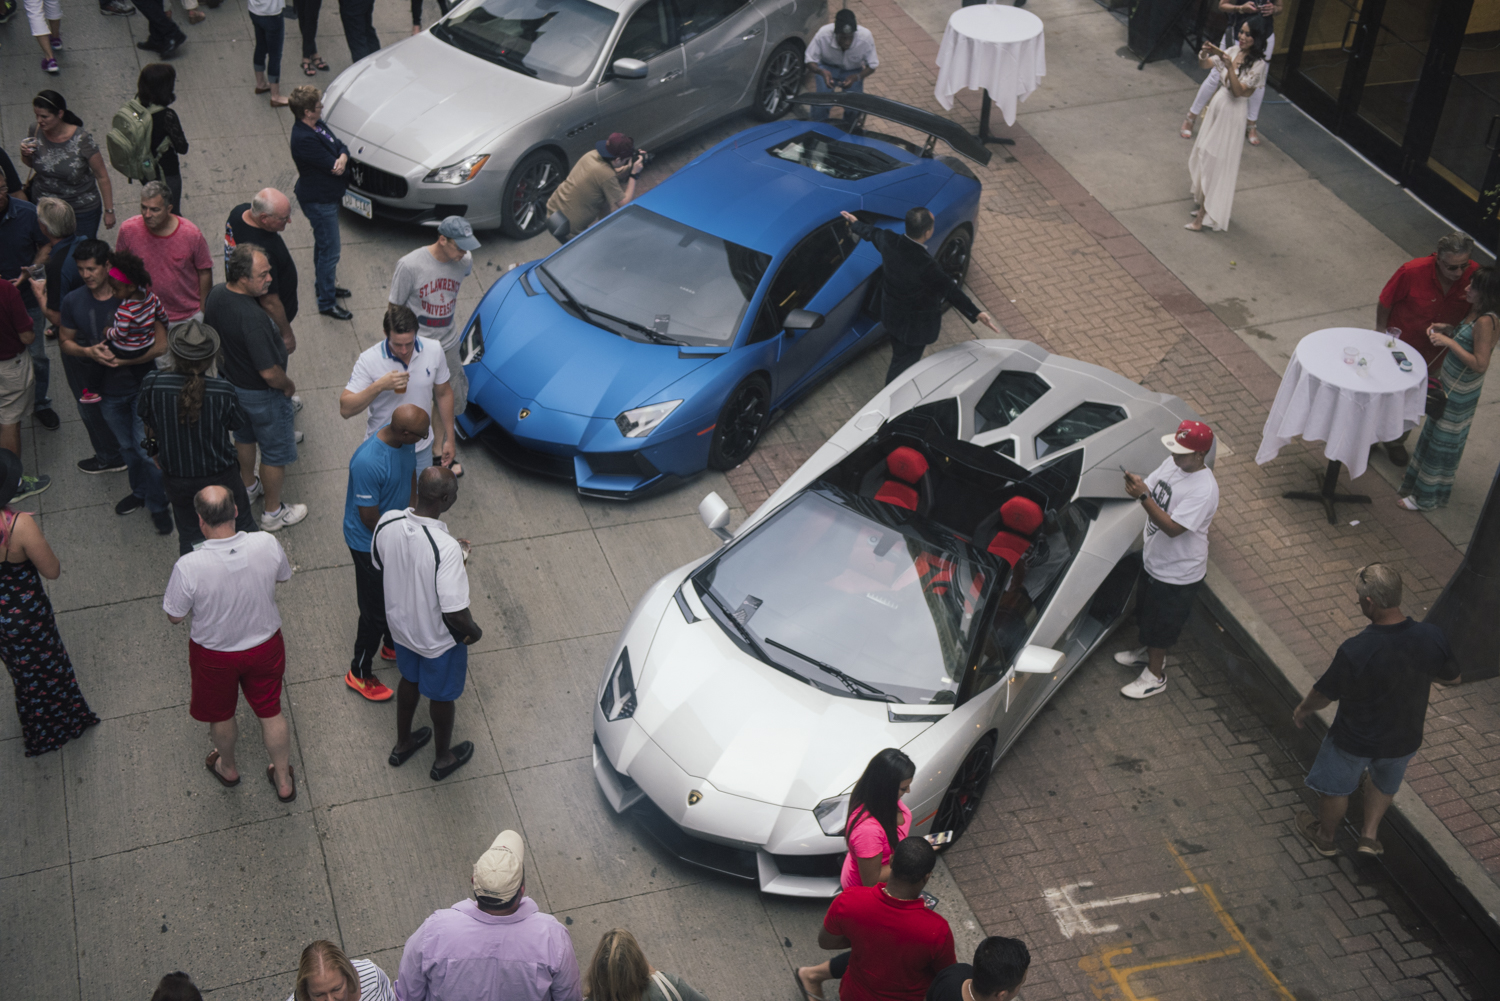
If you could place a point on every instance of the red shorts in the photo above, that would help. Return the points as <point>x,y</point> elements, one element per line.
<point>218,677</point>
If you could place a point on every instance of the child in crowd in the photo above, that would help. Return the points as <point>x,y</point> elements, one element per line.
<point>137,318</point>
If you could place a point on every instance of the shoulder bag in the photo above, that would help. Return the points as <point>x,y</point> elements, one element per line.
<point>670,992</point>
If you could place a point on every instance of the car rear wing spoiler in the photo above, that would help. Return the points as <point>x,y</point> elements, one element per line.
<point>935,127</point>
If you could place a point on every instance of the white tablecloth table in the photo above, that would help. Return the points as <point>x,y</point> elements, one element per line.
<point>997,49</point>
<point>1344,387</point>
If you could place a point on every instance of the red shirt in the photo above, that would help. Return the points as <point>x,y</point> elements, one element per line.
<point>898,945</point>
<point>1417,301</point>
<point>172,261</point>
<point>13,321</point>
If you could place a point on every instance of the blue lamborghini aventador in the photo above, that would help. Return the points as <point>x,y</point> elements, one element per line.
<point>663,339</point>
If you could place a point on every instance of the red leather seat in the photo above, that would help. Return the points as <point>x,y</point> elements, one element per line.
<point>1020,517</point>
<point>907,466</point>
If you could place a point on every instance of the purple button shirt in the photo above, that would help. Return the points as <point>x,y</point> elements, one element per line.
<point>464,954</point>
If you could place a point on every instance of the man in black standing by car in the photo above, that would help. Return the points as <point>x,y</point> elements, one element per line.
<point>1381,679</point>
<point>914,288</point>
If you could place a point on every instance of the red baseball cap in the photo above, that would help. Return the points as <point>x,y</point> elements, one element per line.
<point>618,146</point>
<point>1190,437</point>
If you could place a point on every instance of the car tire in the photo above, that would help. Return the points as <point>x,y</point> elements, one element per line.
<point>780,80</point>
<point>954,255</point>
<point>740,424</point>
<point>523,205</point>
<point>961,802</point>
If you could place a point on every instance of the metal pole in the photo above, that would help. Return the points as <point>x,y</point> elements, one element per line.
<point>1468,610</point>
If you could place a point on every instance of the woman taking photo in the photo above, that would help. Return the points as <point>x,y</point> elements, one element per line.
<point>68,164</point>
<point>157,85</point>
<point>48,701</point>
<point>1214,163</point>
<point>619,972</point>
<point>877,821</point>
<point>1429,474</point>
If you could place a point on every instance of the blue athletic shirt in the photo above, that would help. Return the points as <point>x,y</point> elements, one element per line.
<point>379,477</point>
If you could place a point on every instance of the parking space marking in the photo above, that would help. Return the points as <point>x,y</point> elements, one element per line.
<point>1068,910</point>
<point>1231,926</point>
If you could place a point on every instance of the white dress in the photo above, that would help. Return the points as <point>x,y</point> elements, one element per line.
<point>1214,163</point>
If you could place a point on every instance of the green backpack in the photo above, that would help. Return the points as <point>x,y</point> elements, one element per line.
<point>129,142</point>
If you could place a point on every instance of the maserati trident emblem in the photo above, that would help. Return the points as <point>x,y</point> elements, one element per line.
<point>525,413</point>
<point>694,797</point>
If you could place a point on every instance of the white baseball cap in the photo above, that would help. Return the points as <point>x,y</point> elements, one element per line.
<point>499,871</point>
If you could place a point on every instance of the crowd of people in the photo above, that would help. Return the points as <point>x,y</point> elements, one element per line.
<point>498,943</point>
<point>184,384</point>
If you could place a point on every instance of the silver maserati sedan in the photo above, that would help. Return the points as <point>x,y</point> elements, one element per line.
<point>482,115</point>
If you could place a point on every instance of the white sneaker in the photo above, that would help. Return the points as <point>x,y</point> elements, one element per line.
<point>289,514</point>
<point>296,404</point>
<point>1143,687</point>
<point>255,489</point>
<point>1133,658</point>
<point>297,437</point>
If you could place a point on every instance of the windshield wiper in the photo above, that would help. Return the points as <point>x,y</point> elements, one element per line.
<point>744,632</point>
<point>654,335</point>
<point>850,682</point>
<point>572,302</point>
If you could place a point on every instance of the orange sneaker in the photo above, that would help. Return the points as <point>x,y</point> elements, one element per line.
<point>387,652</point>
<point>370,688</point>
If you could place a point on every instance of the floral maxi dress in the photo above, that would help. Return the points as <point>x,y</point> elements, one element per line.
<point>48,700</point>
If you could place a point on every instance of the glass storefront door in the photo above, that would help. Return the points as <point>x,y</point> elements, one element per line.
<point>1415,86</point>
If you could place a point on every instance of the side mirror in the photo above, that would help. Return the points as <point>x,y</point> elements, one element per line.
<point>1038,660</point>
<point>803,319</point>
<point>628,69</point>
<point>715,515</point>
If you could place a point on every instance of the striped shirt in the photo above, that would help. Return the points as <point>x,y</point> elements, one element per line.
<point>374,985</point>
<point>201,448</point>
<point>135,324</point>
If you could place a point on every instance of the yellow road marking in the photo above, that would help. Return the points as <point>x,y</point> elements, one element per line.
<point>1121,974</point>
<point>1231,927</point>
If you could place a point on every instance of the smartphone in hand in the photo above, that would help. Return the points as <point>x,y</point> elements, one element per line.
<point>938,838</point>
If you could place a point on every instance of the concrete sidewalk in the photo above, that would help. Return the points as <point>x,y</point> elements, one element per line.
<point>1081,248</point>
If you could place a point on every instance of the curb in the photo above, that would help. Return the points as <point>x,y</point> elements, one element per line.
<point>1450,861</point>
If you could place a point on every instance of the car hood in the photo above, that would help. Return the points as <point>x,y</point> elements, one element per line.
<point>429,102</point>
<point>748,729</point>
<point>546,355</point>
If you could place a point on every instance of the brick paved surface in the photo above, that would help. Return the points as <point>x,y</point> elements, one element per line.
<point>1053,266</point>
<point>1126,796</point>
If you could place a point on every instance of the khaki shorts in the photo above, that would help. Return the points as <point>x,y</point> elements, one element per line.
<point>17,388</point>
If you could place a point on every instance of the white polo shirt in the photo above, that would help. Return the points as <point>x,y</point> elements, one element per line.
<point>420,585</point>
<point>427,370</point>
<point>230,587</point>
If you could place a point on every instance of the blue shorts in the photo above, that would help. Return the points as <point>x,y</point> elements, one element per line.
<point>439,678</point>
<point>270,412</point>
<point>1336,772</point>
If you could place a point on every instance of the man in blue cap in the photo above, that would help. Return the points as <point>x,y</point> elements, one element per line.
<point>593,187</point>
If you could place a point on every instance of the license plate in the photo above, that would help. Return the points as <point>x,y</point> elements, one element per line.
<point>359,203</point>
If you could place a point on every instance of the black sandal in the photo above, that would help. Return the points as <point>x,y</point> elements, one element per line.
<point>308,69</point>
<point>319,64</point>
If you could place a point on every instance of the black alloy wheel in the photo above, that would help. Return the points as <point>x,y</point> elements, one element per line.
<point>524,203</point>
<point>779,82</point>
<point>953,256</point>
<point>740,424</point>
<point>961,801</point>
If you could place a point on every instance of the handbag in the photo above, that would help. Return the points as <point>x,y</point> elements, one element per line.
<point>660,980</point>
<point>1437,400</point>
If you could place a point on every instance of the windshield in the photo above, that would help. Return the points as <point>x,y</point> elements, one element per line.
<point>832,580</point>
<point>553,40</point>
<point>649,278</point>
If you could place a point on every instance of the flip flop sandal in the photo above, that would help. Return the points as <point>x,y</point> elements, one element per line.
<point>308,68</point>
<point>211,763</point>
<point>319,64</point>
<point>419,741</point>
<point>271,777</point>
<point>803,991</point>
<point>1252,135</point>
<point>1186,131</point>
